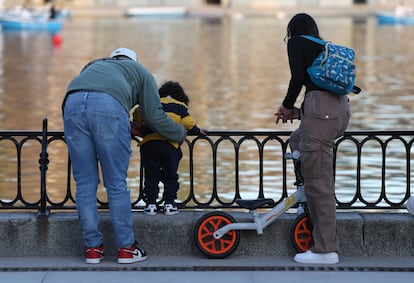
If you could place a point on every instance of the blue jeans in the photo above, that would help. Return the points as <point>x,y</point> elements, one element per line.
<point>97,129</point>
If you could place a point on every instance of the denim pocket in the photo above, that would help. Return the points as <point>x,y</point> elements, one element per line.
<point>106,125</point>
<point>71,128</point>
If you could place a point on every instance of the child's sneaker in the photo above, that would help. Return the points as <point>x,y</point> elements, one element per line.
<point>150,209</point>
<point>94,255</point>
<point>131,254</point>
<point>170,209</point>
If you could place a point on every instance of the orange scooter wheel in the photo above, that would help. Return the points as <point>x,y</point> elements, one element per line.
<point>204,235</point>
<point>301,233</point>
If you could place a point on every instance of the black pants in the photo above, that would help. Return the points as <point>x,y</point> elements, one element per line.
<point>160,160</point>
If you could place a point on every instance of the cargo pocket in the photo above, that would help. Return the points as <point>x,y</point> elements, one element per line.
<point>324,107</point>
<point>311,161</point>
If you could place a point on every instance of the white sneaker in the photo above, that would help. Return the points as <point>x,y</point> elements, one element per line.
<point>151,209</point>
<point>410,205</point>
<point>318,258</point>
<point>170,209</point>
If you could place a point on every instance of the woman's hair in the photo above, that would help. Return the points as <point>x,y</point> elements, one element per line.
<point>174,90</point>
<point>303,24</point>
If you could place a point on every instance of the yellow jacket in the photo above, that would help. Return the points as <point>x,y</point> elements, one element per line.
<point>178,112</point>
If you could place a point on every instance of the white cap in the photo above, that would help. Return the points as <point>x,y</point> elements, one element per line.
<point>124,52</point>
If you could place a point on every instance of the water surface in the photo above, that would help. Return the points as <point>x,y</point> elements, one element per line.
<point>235,71</point>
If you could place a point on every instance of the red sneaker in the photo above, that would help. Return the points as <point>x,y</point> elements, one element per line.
<point>94,255</point>
<point>132,254</point>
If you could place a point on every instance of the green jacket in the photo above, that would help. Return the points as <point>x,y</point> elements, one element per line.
<point>131,84</point>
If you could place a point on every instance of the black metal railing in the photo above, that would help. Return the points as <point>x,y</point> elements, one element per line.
<point>372,170</point>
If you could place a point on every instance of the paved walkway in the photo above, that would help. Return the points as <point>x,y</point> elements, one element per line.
<point>190,269</point>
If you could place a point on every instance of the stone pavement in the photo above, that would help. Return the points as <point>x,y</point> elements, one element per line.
<point>182,269</point>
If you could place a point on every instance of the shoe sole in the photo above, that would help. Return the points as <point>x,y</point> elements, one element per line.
<point>171,213</point>
<point>131,260</point>
<point>94,260</point>
<point>313,258</point>
<point>316,261</point>
<point>150,213</point>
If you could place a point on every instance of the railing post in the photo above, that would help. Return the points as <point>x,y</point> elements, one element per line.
<point>43,161</point>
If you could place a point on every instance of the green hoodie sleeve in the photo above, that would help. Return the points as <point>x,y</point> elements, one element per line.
<point>153,114</point>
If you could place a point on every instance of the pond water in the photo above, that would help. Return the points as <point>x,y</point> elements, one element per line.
<point>235,71</point>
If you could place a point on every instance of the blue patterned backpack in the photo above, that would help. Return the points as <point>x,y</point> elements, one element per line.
<point>334,68</point>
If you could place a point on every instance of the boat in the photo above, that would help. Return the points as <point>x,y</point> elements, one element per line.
<point>36,12</point>
<point>175,11</point>
<point>386,17</point>
<point>19,18</point>
<point>16,23</point>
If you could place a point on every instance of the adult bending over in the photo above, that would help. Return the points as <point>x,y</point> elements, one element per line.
<point>97,129</point>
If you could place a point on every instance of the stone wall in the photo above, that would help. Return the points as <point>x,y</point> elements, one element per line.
<point>360,234</point>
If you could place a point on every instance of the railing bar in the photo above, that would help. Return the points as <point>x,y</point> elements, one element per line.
<point>235,137</point>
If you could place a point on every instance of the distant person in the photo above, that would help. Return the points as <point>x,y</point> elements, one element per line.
<point>161,156</point>
<point>324,116</point>
<point>26,11</point>
<point>52,12</point>
<point>401,10</point>
<point>97,130</point>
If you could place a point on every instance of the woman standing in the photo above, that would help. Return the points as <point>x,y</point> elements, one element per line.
<point>324,116</point>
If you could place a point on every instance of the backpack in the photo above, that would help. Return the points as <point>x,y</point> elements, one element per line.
<point>334,68</point>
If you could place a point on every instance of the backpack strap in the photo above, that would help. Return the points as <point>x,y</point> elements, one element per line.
<point>355,89</point>
<point>314,39</point>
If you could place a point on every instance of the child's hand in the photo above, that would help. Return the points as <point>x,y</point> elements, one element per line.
<point>203,131</point>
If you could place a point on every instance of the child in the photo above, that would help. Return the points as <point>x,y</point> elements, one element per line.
<point>160,156</point>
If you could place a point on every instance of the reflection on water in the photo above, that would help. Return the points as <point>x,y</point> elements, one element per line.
<point>236,74</point>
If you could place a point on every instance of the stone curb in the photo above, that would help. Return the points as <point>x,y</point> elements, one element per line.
<point>360,234</point>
